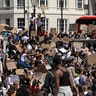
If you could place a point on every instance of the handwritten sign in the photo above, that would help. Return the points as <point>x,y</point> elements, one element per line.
<point>91,59</point>
<point>14,78</point>
<point>41,38</point>
<point>54,39</point>
<point>11,65</point>
<point>73,27</point>
<point>53,31</point>
<point>45,45</point>
<point>33,33</point>
<point>83,27</point>
<point>42,8</point>
<point>78,46</point>
<point>19,71</point>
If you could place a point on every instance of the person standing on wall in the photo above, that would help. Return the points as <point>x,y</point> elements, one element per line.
<point>40,24</point>
<point>32,24</point>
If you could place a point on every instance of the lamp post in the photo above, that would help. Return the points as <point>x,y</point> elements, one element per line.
<point>34,3</point>
<point>61,21</point>
<point>88,8</point>
<point>24,12</point>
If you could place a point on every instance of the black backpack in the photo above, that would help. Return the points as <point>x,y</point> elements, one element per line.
<point>49,83</point>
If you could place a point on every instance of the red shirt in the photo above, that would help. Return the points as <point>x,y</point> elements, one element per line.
<point>33,89</point>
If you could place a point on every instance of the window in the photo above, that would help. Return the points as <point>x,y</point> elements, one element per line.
<point>7,21</point>
<point>61,25</point>
<point>80,4</point>
<point>62,2</point>
<point>44,2</point>
<point>45,23</point>
<point>20,4</point>
<point>7,3</point>
<point>20,22</point>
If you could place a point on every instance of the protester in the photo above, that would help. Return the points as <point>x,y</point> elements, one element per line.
<point>64,81</point>
<point>66,68</point>
<point>32,24</point>
<point>39,22</point>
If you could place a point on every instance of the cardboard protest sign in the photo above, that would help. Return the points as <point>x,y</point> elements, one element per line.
<point>45,45</point>
<point>19,71</point>
<point>83,27</point>
<point>11,65</point>
<point>73,27</point>
<point>42,8</point>
<point>41,38</point>
<point>33,33</point>
<point>78,46</point>
<point>53,31</point>
<point>62,50</point>
<point>77,49</point>
<point>54,39</point>
<point>91,59</point>
<point>14,78</point>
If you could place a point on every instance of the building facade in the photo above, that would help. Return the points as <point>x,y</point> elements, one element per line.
<point>14,13</point>
<point>92,7</point>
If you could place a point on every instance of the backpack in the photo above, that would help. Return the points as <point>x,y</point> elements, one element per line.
<point>49,83</point>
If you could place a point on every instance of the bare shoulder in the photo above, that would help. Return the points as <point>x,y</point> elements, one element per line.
<point>59,72</point>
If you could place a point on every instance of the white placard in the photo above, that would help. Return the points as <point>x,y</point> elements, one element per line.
<point>13,78</point>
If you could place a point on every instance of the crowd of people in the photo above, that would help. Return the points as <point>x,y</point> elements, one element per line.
<point>67,71</point>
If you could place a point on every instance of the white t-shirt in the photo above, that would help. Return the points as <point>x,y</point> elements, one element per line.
<point>25,38</point>
<point>76,80</point>
<point>32,19</point>
<point>1,68</point>
<point>29,47</point>
<point>1,37</point>
<point>24,57</point>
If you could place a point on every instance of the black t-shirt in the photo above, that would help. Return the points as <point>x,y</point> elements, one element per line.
<point>64,80</point>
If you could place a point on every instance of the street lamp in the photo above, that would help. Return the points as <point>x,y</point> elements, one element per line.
<point>24,12</point>
<point>61,21</point>
<point>34,3</point>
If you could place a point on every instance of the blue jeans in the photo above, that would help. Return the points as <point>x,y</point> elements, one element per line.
<point>23,64</point>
